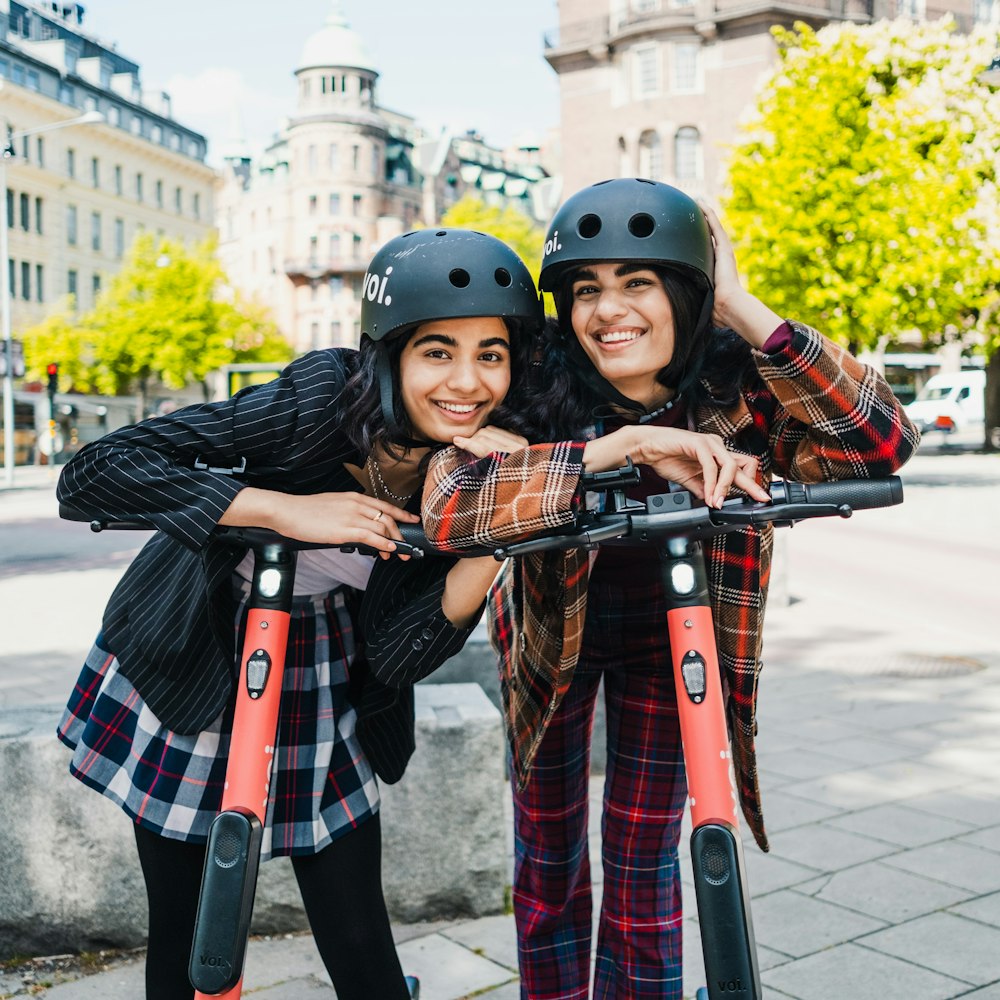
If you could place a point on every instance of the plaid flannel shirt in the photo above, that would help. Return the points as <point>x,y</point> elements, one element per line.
<point>819,415</point>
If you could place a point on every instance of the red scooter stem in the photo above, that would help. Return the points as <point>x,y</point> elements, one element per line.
<point>233,853</point>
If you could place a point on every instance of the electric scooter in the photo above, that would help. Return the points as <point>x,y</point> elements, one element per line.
<point>232,859</point>
<point>677,524</point>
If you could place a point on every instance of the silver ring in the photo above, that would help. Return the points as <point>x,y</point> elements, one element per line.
<point>377,516</point>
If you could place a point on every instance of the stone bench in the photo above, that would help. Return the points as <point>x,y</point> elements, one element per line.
<point>70,878</point>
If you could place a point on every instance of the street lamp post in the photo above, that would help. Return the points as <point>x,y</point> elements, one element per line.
<point>89,118</point>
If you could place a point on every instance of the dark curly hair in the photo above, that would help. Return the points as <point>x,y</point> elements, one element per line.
<point>712,367</point>
<point>367,430</point>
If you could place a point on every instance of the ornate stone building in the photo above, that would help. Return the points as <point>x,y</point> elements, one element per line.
<point>298,226</point>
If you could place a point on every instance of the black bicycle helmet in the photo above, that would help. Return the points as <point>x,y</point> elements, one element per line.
<point>433,274</point>
<point>630,219</point>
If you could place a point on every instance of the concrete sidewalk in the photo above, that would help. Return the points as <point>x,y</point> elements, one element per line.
<point>879,748</point>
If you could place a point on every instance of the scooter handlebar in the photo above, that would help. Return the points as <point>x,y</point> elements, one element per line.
<point>860,494</point>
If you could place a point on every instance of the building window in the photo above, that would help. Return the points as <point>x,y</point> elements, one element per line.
<point>335,333</point>
<point>26,148</point>
<point>687,154</point>
<point>136,125</point>
<point>159,194</point>
<point>313,204</point>
<point>355,157</point>
<point>157,134</point>
<point>95,285</point>
<point>138,187</point>
<point>71,279</point>
<point>115,115</point>
<point>335,204</point>
<point>645,6</point>
<point>311,159</point>
<point>119,237</point>
<point>986,12</point>
<point>25,212</point>
<point>11,272</point>
<point>71,162</point>
<point>10,209</point>
<point>314,335</point>
<point>95,172</point>
<point>334,246</point>
<point>71,225</point>
<point>196,205</point>
<point>356,246</point>
<point>313,249</point>
<point>38,216</point>
<point>17,74</point>
<point>356,205</point>
<point>40,151</point>
<point>334,157</point>
<point>118,178</point>
<point>175,141</point>
<point>651,156</point>
<point>33,81</point>
<point>336,284</point>
<point>95,230</point>
<point>39,283</point>
<point>646,70</point>
<point>685,58</point>
<point>913,9</point>
<point>25,281</point>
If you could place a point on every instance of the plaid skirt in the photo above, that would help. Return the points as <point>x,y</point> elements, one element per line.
<point>322,785</point>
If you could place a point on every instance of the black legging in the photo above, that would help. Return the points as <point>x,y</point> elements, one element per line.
<point>342,891</point>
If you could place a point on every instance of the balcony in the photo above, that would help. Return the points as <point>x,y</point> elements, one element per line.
<point>309,269</point>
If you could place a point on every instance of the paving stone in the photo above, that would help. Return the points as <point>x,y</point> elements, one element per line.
<point>958,864</point>
<point>865,751</point>
<point>991,992</point>
<point>949,944</point>
<point>767,873</point>
<point>799,925</point>
<point>124,981</point>
<point>849,971</point>
<point>494,938</point>
<point>803,764</point>
<point>293,989</point>
<point>825,848</point>
<point>783,811</point>
<point>874,785</point>
<point>509,991</point>
<point>447,970</point>
<point>882,892</point>
<point>988,838</point>
<point>900,824</point>
<point>985,909</point>
<point>976,804</point>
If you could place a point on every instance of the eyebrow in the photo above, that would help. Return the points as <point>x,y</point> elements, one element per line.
<point>440,338</point>
<point>628,267</point>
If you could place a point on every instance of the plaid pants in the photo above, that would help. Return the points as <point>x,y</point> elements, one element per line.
<point>639,933</point>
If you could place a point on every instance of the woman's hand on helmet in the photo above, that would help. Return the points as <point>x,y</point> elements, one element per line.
<point>489,439</point>
<point>334,518</point>
<point>698,462</point>
<point>734,307</point>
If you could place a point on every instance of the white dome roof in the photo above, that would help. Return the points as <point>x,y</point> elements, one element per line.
<point>335,45</point>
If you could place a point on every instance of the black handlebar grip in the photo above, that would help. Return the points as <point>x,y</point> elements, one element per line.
<point>72,514</point>
<point>413,534</point>
<point>860,494</point>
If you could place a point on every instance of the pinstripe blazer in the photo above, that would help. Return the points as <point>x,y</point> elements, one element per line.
<point>170,619</point>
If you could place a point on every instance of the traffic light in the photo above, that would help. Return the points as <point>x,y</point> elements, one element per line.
<point>53,372</point>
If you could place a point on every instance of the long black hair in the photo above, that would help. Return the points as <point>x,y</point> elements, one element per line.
<point>710,368</point>
<point>367,428</point>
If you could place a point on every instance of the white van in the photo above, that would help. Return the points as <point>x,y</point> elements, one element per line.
<point>951,407</point>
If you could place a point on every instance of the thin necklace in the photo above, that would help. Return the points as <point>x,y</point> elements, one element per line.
<point>378,483</point>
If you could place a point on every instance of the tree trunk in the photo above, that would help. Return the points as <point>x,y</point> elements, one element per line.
<point>992,391</point>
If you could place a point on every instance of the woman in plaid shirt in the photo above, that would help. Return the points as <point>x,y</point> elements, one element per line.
<point>659,354</point>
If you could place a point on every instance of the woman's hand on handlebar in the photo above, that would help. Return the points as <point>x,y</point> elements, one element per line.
<point>334,518</point>
<point>489,439</point>
<point>698,462</point>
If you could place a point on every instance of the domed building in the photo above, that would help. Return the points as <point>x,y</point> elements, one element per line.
<point>344,175</point>
<point>298,228</point>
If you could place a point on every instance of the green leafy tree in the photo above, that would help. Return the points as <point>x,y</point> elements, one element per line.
<point>509,224</point>
<point>58,338</point>
<point>168,315</point>
<point>863,190</point>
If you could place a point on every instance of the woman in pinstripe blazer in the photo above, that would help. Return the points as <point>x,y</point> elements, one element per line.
<point>331,451</point>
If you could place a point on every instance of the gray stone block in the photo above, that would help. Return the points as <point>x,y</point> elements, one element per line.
<point>70,878</point>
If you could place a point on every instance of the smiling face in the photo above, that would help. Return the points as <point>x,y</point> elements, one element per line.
<point>453,373</point>
<point>623,320</point>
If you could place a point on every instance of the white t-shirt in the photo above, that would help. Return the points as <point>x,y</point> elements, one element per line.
<point>320,570</point>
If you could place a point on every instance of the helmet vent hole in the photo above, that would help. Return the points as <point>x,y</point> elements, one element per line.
<point>459,277</point>
<point>441,232</point>
<point>503,277</point>
<point>641,225</point>
<point>589,226</point>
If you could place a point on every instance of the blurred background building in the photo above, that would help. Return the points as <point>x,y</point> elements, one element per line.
<point>77,196</point>
<point>655,88</point>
